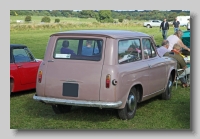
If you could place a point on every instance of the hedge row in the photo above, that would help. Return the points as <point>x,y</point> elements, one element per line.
<point>15,27</point>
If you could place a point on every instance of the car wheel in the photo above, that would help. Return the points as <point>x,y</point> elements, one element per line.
<point>59,109</point>
<point>167,94</point>
<point>129,110</point>
<point>148,26</point>
<point>11,86</point>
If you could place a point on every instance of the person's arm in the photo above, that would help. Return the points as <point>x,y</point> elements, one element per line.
<point>183,45</point>
<point>167,26</point>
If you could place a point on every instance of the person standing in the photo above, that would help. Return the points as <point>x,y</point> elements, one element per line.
<point>176,24</point>
<point>165,27</point>
<point>188,24</point>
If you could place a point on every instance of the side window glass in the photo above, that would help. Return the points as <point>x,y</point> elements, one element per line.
<point>20,55</point>
<point>29,54</point>
<point>148,49</point>
<point>129,51</point>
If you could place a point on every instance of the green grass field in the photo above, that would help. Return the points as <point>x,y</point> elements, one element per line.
<point>37,19</point>
<point>25,113</point>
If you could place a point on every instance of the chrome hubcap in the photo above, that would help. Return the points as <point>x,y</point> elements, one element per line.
<point>131,103</point>
<point>170,84</point>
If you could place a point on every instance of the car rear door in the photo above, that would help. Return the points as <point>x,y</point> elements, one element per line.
<point>74,76</point>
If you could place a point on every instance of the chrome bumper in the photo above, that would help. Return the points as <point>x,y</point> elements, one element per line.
<point>99,104</point>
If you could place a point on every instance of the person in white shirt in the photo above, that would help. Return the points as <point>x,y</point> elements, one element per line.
<point>176,38</point>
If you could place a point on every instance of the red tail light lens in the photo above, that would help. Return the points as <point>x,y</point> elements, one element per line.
<point>40,76</point>
<point>108,81</point>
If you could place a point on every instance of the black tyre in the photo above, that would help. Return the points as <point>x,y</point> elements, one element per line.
<point>11,86</point>
<point>167,94</point>
<point>59,109</point>
<point>129,110</point>
<point>148,26</point>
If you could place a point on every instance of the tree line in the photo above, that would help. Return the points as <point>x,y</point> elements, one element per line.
<point>105,15</point>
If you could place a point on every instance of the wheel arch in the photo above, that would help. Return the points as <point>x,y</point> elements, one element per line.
<point>173,74</point>
<point>139,90</point>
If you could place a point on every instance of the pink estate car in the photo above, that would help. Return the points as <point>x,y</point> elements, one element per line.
<point>103,68</point>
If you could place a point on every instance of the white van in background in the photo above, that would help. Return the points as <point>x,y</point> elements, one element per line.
<point>183,20</point>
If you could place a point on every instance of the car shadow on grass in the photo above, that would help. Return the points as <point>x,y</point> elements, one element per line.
<point>21,93</point>
<point>37,109</point>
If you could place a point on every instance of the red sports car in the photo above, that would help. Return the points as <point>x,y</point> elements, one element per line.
<point>23,68</point>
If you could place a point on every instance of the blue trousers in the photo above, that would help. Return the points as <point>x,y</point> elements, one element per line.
<point>164,34</point>
<point>175,29</point>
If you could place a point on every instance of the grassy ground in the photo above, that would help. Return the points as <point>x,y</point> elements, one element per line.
<point>25,113</point>
<point>37,19</point>
<point>174,114</point>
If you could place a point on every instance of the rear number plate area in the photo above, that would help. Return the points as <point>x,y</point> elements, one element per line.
<point>70,89</point>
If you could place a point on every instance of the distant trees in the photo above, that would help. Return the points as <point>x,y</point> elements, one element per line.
<point>86,14</point>
<point>128,17</point>
<point>27,18</point>
<point>67,13</point>
<point>56,13</point>
<point>104,16</point>
<point>46,19</point>
<point>57,20</point>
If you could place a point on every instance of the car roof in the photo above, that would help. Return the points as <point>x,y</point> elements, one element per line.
<point>17,46</point>
<point>103,33</point>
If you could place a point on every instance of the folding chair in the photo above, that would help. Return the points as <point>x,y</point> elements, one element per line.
<point>181,76</point>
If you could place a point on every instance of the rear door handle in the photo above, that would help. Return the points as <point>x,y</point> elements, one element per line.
<point>19,66</point>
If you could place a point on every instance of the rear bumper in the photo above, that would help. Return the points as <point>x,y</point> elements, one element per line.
<point>100,104</point>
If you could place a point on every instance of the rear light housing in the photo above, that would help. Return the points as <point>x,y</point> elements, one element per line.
<point>40,76</point>
<point>108,78</point>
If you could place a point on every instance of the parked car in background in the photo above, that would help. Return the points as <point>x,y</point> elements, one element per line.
<point>152,23</point>
<point>122,69</point>
<point>23,68</point>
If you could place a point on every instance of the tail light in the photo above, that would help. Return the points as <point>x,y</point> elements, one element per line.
<point>40,76</point>
<point>108,81</point>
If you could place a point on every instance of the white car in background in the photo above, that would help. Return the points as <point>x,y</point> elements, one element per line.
<point>152,23</point>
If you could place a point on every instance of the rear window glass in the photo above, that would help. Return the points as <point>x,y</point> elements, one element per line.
<point>78,49</point>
